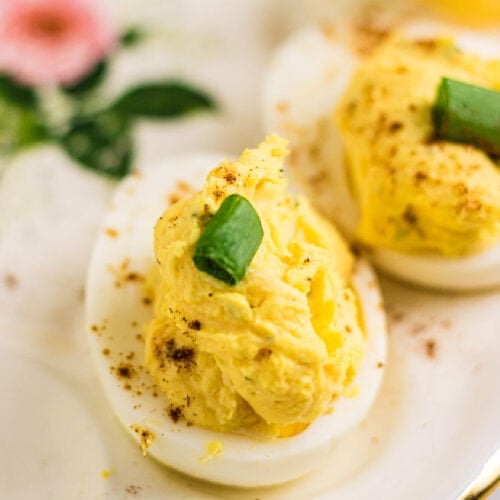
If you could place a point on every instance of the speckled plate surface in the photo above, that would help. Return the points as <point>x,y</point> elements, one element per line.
<point>435,422</point>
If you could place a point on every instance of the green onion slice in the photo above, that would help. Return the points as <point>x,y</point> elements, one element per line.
<point>467,114</point>
<point>230,241</point>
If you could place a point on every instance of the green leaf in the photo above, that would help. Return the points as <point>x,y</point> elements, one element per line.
<point>132,37</point>
<point>168,99</point>
<point>19,127</point>
<point>17,93</point>
<point>101,143</point>
<point>90,81</point>
<point>30,130</point>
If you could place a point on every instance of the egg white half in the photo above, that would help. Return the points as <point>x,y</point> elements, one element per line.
<point>115,312</point>
<point>307,76</point>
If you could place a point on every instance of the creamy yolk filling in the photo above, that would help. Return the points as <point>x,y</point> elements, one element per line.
<point>416,194</point>
<point>270,353</point>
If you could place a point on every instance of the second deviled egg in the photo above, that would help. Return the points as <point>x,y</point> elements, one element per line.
<point>365,149</point>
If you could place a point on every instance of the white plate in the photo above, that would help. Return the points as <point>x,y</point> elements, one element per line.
<point>431,430</point>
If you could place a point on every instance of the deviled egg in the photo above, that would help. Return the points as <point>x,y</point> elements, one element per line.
<point>243,339</point>
<point>356,104</point>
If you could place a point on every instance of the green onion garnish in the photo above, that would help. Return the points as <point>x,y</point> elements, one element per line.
<point>230,240</point>
<point>468,114</point>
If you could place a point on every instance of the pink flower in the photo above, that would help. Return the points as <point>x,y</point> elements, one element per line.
<point>44,42</point>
